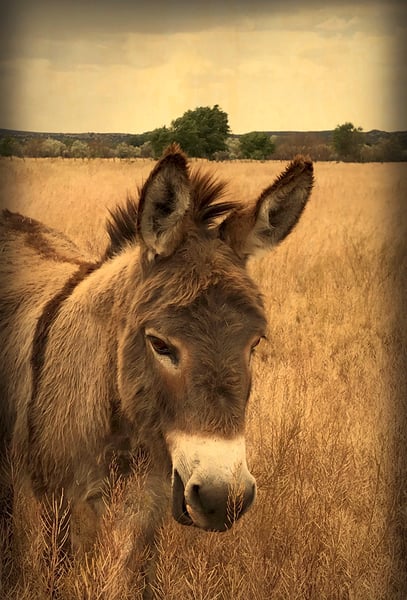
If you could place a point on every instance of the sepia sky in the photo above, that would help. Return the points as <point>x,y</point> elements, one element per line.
<point>131,66</point>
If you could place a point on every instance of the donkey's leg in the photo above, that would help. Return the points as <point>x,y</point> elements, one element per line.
<point>86,517</point>
<point>131,527</point>
<point>155,499</point>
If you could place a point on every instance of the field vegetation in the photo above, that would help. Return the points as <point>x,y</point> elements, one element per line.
<point>326,427</point>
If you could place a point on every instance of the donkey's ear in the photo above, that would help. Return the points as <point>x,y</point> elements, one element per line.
<point>164,200</point>
<point>274,214</point>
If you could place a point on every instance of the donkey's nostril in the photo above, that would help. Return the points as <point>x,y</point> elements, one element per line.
<point>199,502</point>
<point>201,498</point>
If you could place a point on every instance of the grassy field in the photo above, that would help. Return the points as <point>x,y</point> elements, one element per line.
<point>327,423</point>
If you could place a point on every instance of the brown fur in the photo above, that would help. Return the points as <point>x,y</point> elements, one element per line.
<point>83,385</point>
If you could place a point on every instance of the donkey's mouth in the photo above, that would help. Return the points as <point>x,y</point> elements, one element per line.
<point>179,507</point>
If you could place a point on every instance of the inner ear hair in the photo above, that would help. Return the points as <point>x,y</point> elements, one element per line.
<point>274,214</point>
<point>164,200</point>
<point>281,204</point>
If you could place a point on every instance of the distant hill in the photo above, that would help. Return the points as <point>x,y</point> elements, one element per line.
<point>378,145</point>
<point>108,138</point>
<point>370,136</point>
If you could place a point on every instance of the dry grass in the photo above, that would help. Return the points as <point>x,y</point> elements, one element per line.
<point>327,421</point>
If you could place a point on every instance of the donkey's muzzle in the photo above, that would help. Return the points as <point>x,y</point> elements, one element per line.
<point>215,506</point>
<point>211,484</point>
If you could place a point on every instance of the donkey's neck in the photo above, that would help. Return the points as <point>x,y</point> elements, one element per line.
<point>76,387</point>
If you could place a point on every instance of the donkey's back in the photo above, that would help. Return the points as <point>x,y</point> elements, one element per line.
<point>35,264</point>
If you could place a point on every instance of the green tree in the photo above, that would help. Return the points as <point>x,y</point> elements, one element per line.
<point>52,147</point>
<point>138,139</point>
<point>233,146</point>
<point>256,145</point>
<point>348,140</point>
<point>80,149</point>
<point>389,150</point>
<point>201,132</point>
<point>146,150</point>
<point>10,147</point>
<point>159,139</point>
<point>6,148</point>
<point>98,147</point>
<point>124,150</point>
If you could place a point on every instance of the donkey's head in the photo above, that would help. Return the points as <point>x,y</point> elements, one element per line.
<point>193,322</point>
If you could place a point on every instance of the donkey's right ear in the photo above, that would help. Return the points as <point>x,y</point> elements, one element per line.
<point>164,200</point>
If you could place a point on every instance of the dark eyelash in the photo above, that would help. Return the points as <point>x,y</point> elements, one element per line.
<point>256,343</point>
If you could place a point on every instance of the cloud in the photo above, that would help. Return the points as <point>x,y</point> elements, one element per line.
<point>138,50</point>
<point>279,68</point>
<point>71,18</point>
<point>338,24</point>
<point>290,80</point>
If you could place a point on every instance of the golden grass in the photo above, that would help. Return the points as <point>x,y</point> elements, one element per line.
<point>327,427</point>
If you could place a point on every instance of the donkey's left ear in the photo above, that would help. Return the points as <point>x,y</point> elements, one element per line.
<point>164,200</point>
<point>275,212</point>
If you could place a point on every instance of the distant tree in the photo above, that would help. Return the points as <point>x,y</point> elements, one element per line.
<point>33,147</point>
<point>138,139</point>
<point>136,151</point>
<point>159,139</point>
<point>80,149</point>
<point>348,140</point>
<point>146,150</point>
<point>6,146</point>
<point>221,155</point>
<point>99,148</point>
<point>389,150</point>
<point>256,145</point>
<point>17,148</point>
<point>52,148</point>
<point>124,150</point>
<point>9,146</point>
<point>200,133</point>
<point>321,152</point>
<point>233,146</point>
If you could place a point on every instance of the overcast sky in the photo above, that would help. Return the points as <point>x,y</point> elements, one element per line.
<point>131,66</point>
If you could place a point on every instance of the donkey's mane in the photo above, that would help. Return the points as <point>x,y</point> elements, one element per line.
<point>121,227</point>
<point>206,209</point>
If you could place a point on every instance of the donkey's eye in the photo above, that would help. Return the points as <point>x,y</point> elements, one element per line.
<point>256,343</point>
<point>162,348</point>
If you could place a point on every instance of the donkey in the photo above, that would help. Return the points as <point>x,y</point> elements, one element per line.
<point>143,355</point>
